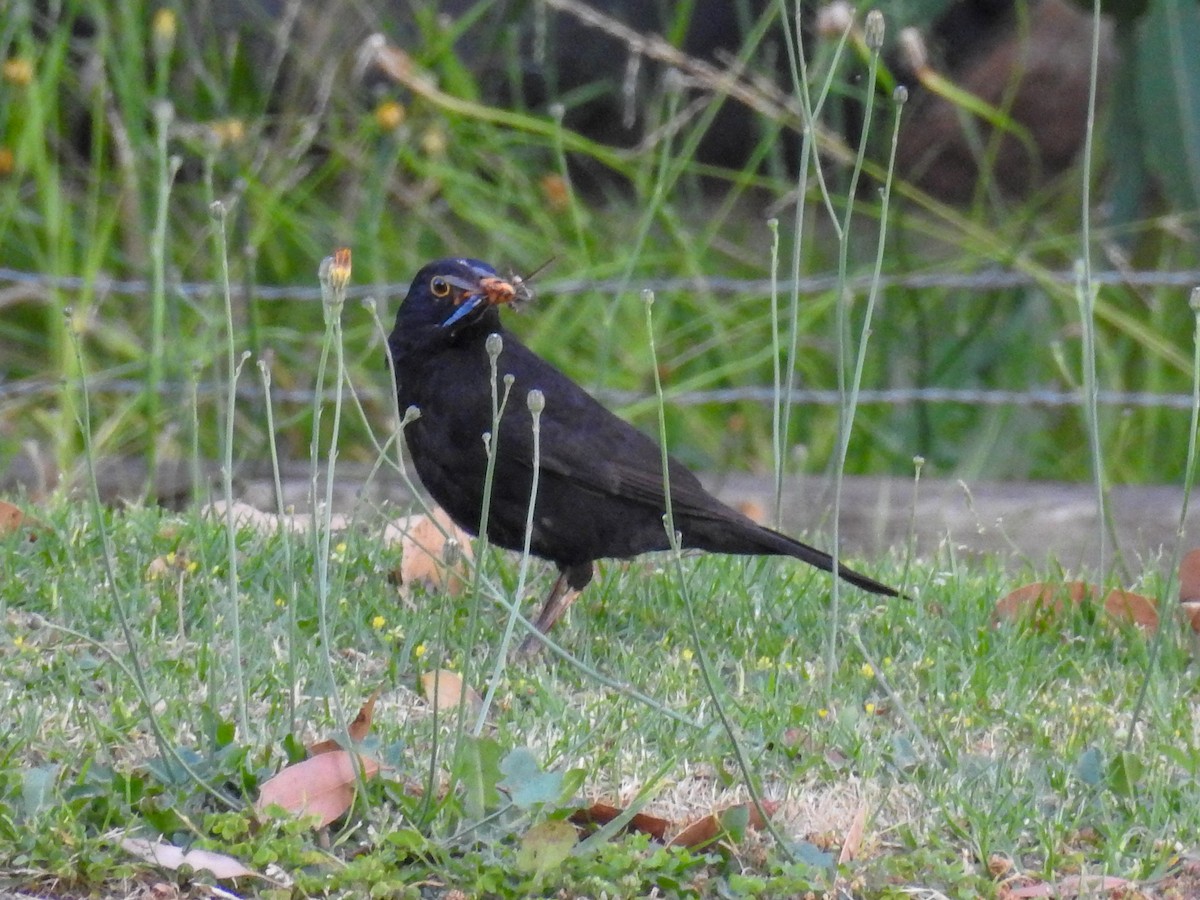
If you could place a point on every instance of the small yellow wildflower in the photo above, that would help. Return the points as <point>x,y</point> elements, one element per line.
<point>869,708</point>
<point>389,115</point>
<point>17,71</point>
<point>378,622</point>
<point>280,602</point>
<point>687,654</point>
<point>822,713</point>
<point>867,671</point>
<point>419,651</point>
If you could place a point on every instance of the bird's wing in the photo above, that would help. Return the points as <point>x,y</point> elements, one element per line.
<point>583,443</point>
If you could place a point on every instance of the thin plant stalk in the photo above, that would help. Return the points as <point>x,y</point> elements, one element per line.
<point>155,370</point>
<point>536,402</point>
<point>1086,294</point>
<point>849,393</point>
<point>334,274</point>
<point>285,535</point>
<point>233,370</point>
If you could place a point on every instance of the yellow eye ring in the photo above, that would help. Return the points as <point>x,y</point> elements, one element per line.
<point>439,286</point>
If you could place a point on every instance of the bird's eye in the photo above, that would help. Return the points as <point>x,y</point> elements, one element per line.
<point>439,286</point>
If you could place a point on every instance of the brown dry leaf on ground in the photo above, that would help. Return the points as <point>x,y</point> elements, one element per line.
<point>854,835</point>
<point>601,814</point>
<point>704,831</point>
<point>445,690</point>
<point>11,518</point>
<point>358,729</point>
<point>1189,587</point>
<point>321,786</point>
<point>422,542</point>
<point>1075,886</point>
<point>1044,602</point>
<point>171,857</point>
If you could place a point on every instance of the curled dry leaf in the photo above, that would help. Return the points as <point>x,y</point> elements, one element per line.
<point>704,831</point>
<point>171,857</point>
<point>1045,601</point>
<point>321,786</point>
<point>445,690</point>
<point>1075,886</point>
<point>423,551</point>
<point>358,729</point>
<point>601,814</point>
<point>1189,587</point>
<point>11,518</point>
<point>854,835</point>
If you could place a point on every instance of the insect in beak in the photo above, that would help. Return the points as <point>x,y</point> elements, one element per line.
<point>490,289</point>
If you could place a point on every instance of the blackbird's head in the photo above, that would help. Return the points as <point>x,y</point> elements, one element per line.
<point>450,295</point>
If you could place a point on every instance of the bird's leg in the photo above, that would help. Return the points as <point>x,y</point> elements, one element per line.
<point>566,590</point>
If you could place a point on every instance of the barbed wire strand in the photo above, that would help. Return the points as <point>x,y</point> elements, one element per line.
<point>991,279</point>
<point>1035,397</point>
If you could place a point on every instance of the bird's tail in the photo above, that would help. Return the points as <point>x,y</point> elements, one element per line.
<point>755,539</point>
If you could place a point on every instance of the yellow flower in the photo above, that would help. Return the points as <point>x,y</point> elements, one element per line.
<point>687,654</point>
<point>822,713</point>
<point>419,651</point>
<point>867,671</point>
<point>378,622</point>
<point>389,115</point>
<point>17,71</point>
<point>869,708</point>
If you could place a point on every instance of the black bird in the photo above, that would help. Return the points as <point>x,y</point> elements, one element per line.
<point>600,491</point>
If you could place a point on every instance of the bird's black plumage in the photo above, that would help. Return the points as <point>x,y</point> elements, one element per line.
<point>600,492</point>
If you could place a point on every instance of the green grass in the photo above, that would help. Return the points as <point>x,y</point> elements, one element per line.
<point>967,741</point>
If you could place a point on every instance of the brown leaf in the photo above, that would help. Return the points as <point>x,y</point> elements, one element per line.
<point>1128,607</point>
<point>359,728</point>
<point>1189,576</point>
<point>601,814</point>
<point>171,857</point>
<point>11,518</point>
<point>445,690</point>
<point>706,830</point>
<point>854,835</point>
<point>1072,886</point>
<point>1189,587</point>
<point>1043,599</point>
<point>423,551</point>
<point>323,786</point>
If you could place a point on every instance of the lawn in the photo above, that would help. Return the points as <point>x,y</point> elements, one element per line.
<point>163,217</point>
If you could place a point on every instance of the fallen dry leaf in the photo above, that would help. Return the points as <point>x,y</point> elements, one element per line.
<point>854,835</point>
<point>445,690</point>
<point>358,729</point>
<point>601,814</point>
<point>1126,606</point>
<point>11,518</point>
<point>1044,601</point>
<point>1189,587</point>
<point>322,785</point>
<point>423,551</point>
<point>1073,886</point>
<point>706,830</point>
<point>171,857</point>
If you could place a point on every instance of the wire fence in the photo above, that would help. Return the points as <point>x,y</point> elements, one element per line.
<point>988,279</point>
<point>978,281</point>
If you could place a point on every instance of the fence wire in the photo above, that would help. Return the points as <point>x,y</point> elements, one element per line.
<point>991,279</point>
<point>1045,398</point>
